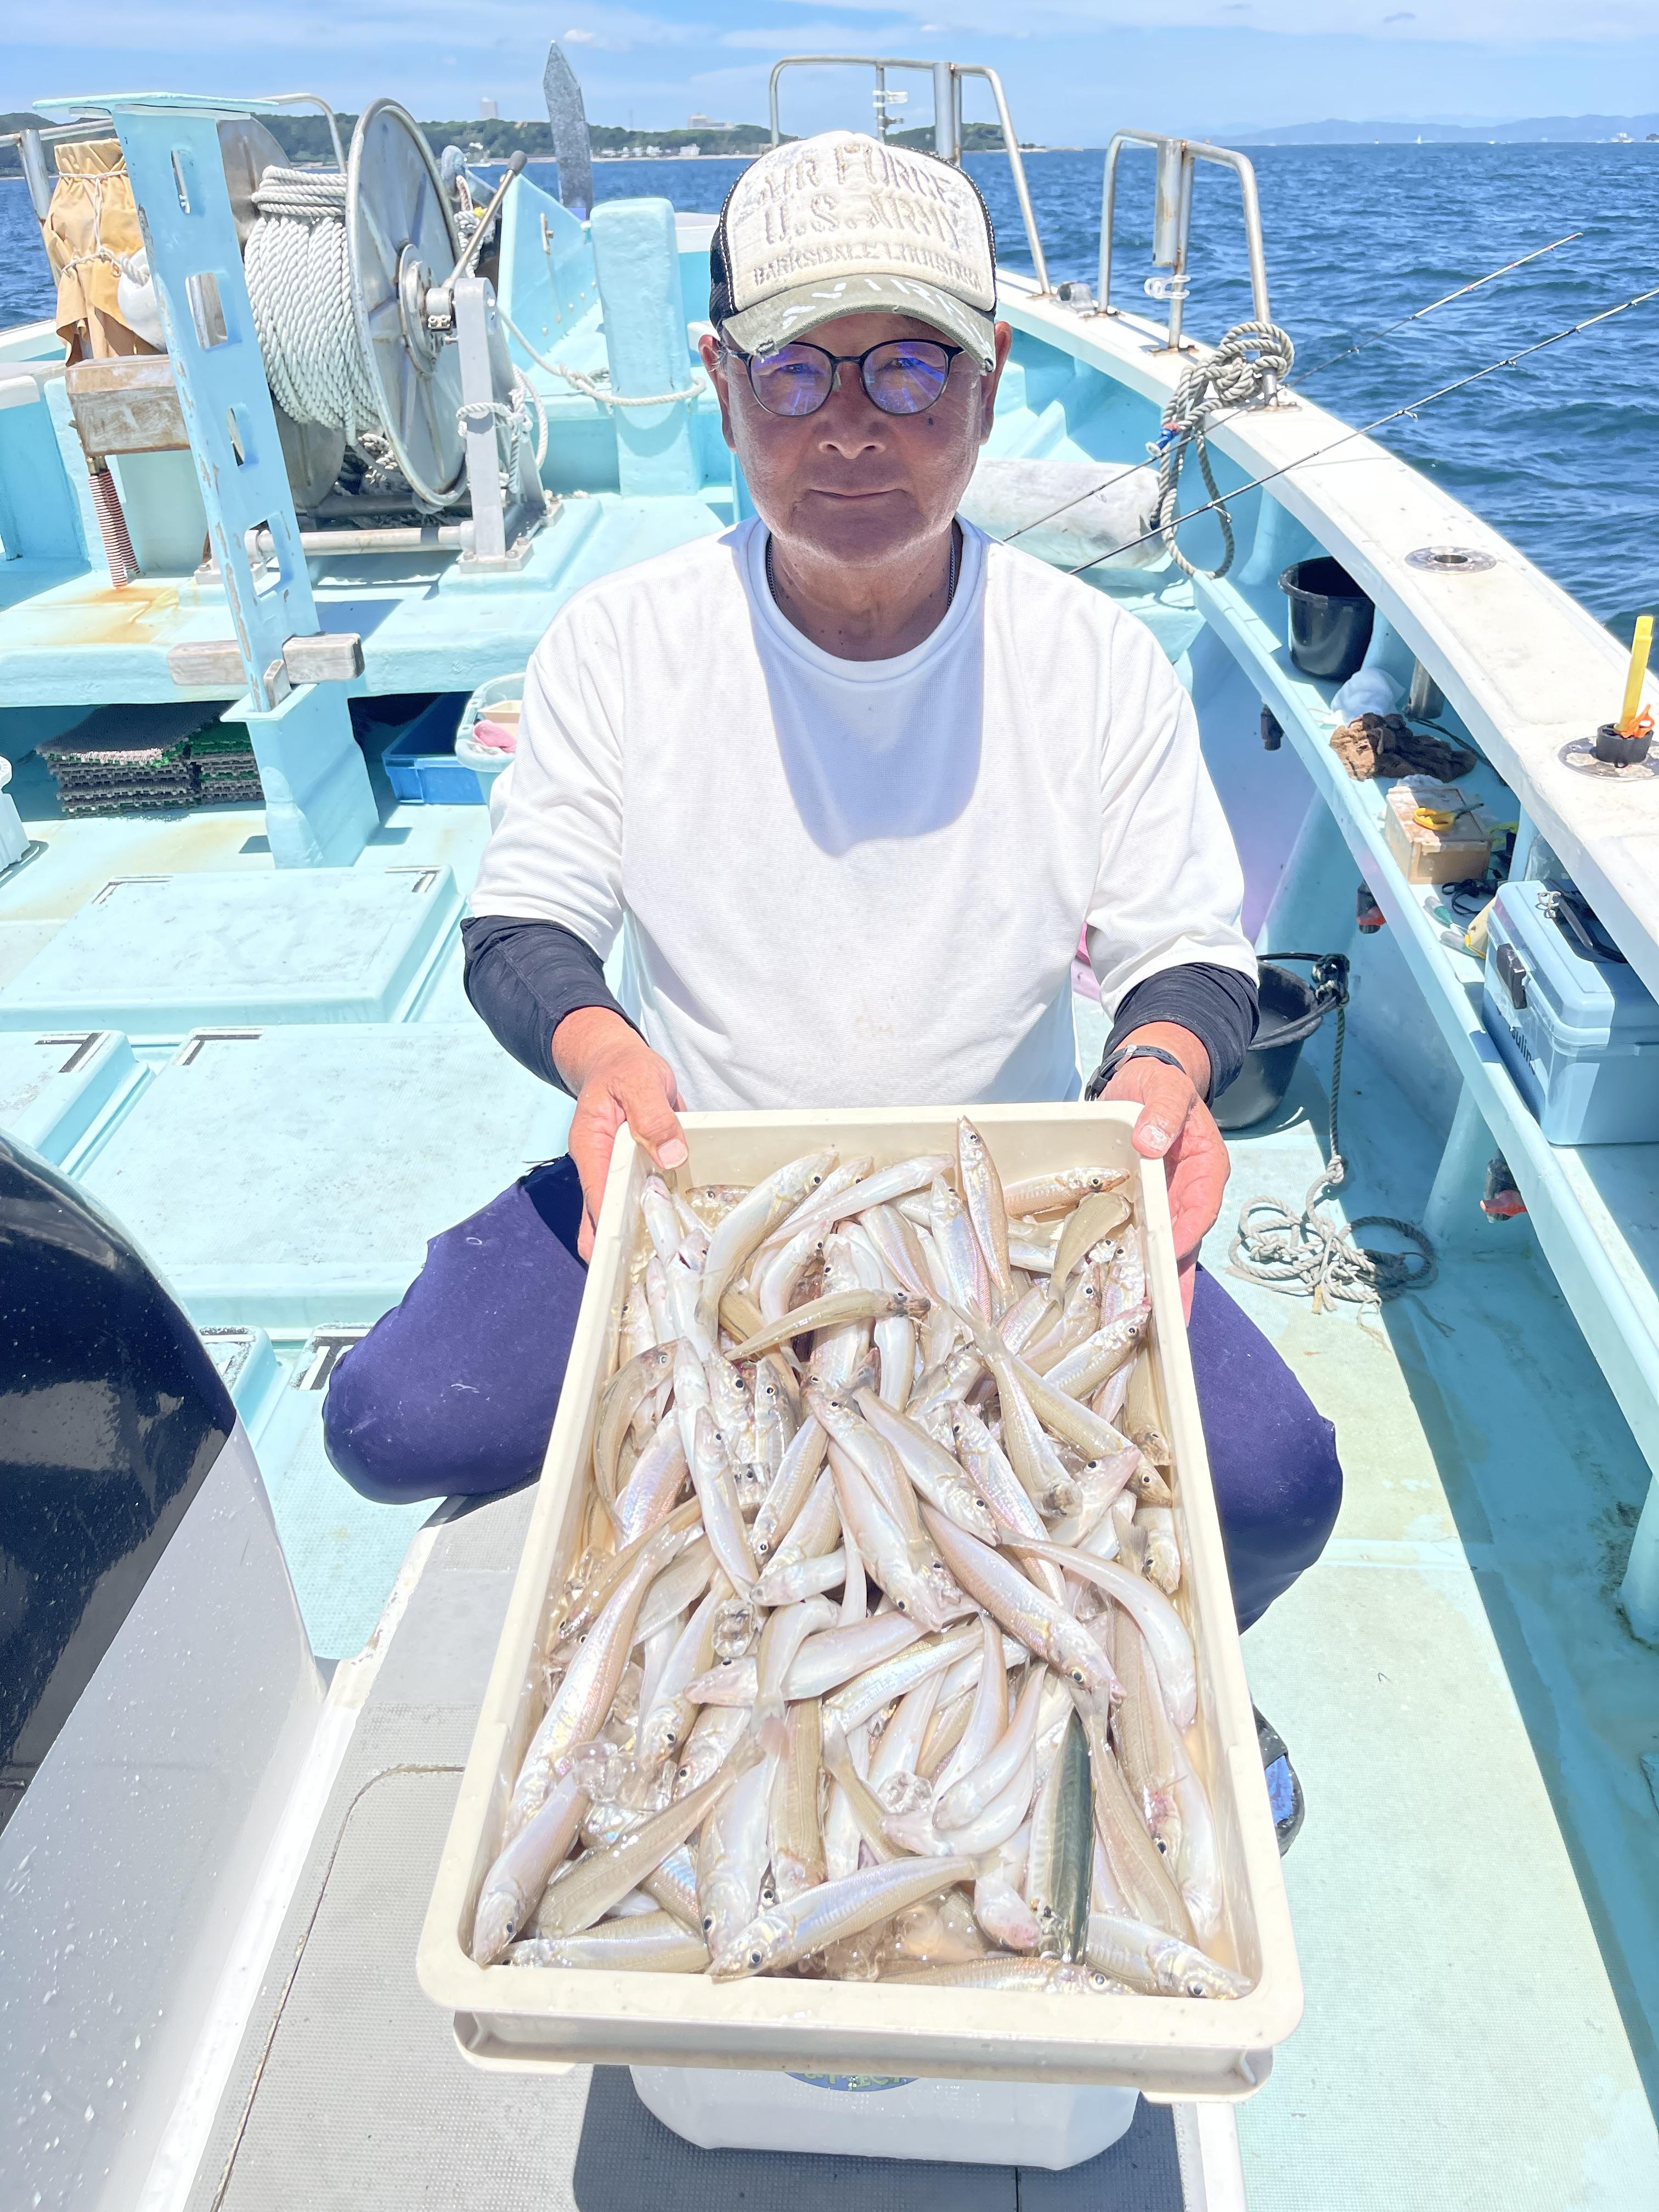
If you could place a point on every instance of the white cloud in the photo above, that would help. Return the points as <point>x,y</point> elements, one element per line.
<point>579,38</point>
<point>1502,24</point>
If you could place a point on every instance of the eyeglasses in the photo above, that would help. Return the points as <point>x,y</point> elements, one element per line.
<point>901,376</point>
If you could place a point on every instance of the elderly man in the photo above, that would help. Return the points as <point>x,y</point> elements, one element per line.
<point>848,780</point>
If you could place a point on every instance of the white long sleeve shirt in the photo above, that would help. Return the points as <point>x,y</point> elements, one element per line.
<point>861,883</point>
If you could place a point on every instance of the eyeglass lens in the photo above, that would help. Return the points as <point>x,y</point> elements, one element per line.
<point>900,377</point>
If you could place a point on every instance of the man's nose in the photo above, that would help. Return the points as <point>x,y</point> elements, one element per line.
<point>850,419</point>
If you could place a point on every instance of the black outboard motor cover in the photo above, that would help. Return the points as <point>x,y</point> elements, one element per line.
<point>112,1415</point>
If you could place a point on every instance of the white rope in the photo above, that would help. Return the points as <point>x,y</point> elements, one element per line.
<point>597,388</point>
<point>299,284</point>
<point>1307,1255</point>
<point>1231,377</point>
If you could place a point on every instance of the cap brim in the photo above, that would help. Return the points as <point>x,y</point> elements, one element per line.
<point>792,315</point>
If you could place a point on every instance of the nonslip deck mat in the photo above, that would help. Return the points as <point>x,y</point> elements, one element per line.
<point>159,955</point>
<point>54,1086</point>
<point>291,1177</point>
<point>348,2092</point>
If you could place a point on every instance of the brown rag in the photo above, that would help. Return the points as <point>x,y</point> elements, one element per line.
<point>1386,744</point>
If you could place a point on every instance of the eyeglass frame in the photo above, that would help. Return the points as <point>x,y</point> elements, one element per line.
<point>838,362</point>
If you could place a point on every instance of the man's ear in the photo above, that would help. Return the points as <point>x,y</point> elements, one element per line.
<point>713,360</point>
<point>990,381</point>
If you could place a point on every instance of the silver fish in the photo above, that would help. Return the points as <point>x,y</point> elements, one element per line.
<point>722,1517</point>
<point>1050,1193</point>
<point>985,1778</point>
<point>1155,1963</point>
<point>958,1250</point>
<point>1062,1847</point>
<point>1168,1638</point>
<point>594,1884</point>
<point>982,1187</point>
<point>1027,1613</point>
<point>1044,1977</point>
<point>514,1885</point>
<point>585,1696</point>
<point>731,1857</point>
<point>930,1468</point>
<point>796,1826</point>
<point>831,1912</point>
<point>648,1943</point>
<point>620,1399</point>
<point>750,1221</point>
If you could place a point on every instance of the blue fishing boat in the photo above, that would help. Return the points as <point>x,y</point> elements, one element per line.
<point>282,525</point>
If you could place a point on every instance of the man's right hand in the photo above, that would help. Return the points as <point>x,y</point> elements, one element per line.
<point>615,1077</point>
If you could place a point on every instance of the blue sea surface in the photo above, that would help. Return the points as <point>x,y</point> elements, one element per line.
<point>1560,453</point>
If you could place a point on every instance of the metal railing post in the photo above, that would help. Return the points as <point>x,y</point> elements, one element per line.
<point>956,72</point>
<point>1177,159</point>
<point>946,142</point>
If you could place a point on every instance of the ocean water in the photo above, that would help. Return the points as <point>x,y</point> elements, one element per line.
<point>1560,453</point>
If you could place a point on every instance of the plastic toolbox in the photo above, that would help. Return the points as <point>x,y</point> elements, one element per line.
<point>1578,1028</point>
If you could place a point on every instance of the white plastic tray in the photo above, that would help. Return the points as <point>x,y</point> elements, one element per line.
<point>1167,2047</point>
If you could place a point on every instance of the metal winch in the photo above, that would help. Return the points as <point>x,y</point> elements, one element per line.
<point>403,424</point>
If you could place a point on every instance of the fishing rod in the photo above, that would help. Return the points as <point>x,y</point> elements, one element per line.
<point>1394,414</point>
<point>1214,422</point>
<point>1461,293</point>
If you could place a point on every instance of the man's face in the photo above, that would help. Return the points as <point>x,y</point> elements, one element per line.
<point>849,482</point>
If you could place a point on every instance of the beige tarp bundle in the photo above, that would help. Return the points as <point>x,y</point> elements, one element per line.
<point>90,229</point>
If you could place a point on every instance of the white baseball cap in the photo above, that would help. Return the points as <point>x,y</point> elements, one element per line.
<point>842,225</point>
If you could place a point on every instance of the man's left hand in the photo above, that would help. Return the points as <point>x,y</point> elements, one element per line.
<point>1177,1128</point>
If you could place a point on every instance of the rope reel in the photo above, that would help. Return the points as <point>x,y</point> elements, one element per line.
<point>340,267</point>
<point>1234,375</point>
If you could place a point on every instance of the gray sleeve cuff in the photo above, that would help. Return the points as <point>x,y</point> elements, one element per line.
<point>1217,1005</point>
<point>524,977</point>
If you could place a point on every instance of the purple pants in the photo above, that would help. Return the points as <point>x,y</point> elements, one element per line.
<point>453,1393</point>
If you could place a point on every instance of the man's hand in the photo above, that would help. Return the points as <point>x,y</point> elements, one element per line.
<point>616,1078</point>
<point>1176,1127</point>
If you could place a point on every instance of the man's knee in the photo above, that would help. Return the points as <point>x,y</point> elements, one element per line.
<point>454,1392</point>
<point>1272,1455</point>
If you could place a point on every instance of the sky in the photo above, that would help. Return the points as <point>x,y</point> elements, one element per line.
<point>1074,69</point>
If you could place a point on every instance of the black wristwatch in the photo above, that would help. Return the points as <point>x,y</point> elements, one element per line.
<point>1125,1053</point>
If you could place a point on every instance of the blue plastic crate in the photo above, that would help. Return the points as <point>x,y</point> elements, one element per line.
<point>421,763</point>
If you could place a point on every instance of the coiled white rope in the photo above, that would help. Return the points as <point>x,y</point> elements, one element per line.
<point>1307,1255</point>
<point>593,387</point>
<point>1232,376</point>
<point>299,284</point>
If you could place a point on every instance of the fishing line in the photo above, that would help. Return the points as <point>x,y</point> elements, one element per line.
<point>1462,292</point>
<point>1412,408</point>
<point>1215,421</point>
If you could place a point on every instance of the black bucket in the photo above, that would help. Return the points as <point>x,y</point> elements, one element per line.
<point>1290,1011</point>
<point>1331,618</point>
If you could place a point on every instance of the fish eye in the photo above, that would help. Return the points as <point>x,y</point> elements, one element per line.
<point>1077,1676</point>
<point>756,1958</point>
<point>900,1604</point>
<point>1196,1989</point>
<point>707,1923</point>
<point>1161,1845</point>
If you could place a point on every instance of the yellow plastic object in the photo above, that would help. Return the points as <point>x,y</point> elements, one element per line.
<point>535,2018</point>
<point>1640,646</point>
<point>1436,817</point>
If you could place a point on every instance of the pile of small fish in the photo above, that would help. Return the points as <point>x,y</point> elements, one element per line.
<point>968,1766</point>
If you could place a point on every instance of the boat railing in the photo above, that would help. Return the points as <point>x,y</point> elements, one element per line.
<point>1172,217</point>
<point>948,78</point>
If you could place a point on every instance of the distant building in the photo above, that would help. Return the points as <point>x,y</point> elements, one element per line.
<point>488,109</point>
<point>690,151</point>
<point>705,123</point>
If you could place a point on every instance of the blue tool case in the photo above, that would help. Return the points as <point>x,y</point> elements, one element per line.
<point>1578,1028</point>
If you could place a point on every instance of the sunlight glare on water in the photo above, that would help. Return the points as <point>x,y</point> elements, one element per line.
<point>1556,454</point>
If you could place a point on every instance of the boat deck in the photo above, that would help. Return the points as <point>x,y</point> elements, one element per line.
<point>1473,1893</point>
